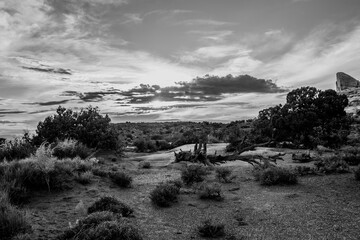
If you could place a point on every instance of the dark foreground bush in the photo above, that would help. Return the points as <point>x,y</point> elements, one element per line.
<point>357,174</point>
<point>193,174</point>
<point>209,229</point>
<point>165,194</point>
<point>110,204</point>
<point>104,226</point>
<point>275,176</point>
<point>12,220</point>
<point>210,191</point>
<point>121,179</point>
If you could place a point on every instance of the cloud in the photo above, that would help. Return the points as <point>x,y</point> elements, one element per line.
<point>212,36</point>
<point>133,18</point>
<point>209,22</point>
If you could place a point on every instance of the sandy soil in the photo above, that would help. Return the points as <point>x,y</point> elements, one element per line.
<point>319,207</point>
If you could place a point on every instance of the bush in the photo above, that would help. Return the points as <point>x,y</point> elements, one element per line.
<point>16,149</point>
<point>99,172</point>
<point>275,175</point>
<point>332,165</point>
<point>121,179</point>
<point>165,194</point>
<point>87,126</point>
<point>223,174</point>
<point>209,229</point>
<point>104,226</point>
<point>145,165</point>
<point>193,174</point>
<point>12,220</point>
<point>210,191</point>
<point>145,145</point>
<point>357,174</point>
<point>110,204</point>
<point>69,148</point>
<point>351,159</point>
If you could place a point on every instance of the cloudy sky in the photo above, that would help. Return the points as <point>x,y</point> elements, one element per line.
<point>167,60</point>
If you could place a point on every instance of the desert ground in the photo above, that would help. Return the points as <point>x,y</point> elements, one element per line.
<point>319,207</point>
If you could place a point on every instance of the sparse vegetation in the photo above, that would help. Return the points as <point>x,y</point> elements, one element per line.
<point>210,229</point>
<point>165,194</point>
<point>193,174</point>
<point>121,179</point>
<point>84,177</point>
<point>145,165</point>
<point>111,204</point>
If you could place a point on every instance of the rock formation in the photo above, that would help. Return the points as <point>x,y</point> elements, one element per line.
<point>345,84</point>
<point>345,81</point>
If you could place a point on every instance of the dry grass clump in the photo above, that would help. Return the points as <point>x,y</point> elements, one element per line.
<point>275,176</point>
<point>211,191</point>
<point>70,148</point>
<point>102,225</point>
<point>12,220</point>
<point>111,204</point>
<point>223,174</point>
<point>165,194</point>
<point>19,148</point>
<point>84,177</point>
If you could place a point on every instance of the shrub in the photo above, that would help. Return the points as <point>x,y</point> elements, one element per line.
<point>351,159</point>
<point>84,178</point>
<point>332,165</point>
<point>275,175</point>
<point>12,220</point>
<point>357,174</point>
<point>165,194</point>
<point>145,165</point>
<point>209,229</point>
<point>193,173</point>
<point>110,204</point>
<point>304,170</point>
<point>121,179</point>
<point>16,149</point>
<point>102,225</point>
<point>99,172</point>
<point>145,145</point>
<point>210,191</point>
<point>223,174</point>
<point>70,148</point>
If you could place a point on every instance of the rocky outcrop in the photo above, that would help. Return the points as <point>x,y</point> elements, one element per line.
<point>345,84</point>
<point>345,81</point>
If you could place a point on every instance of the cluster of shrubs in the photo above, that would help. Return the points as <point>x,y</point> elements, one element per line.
<point>150,145</point>
<point>332,165</point>
<point>17,148</point>
<point>107,220</point>
<point>41,171</point>
<point>194,174</point>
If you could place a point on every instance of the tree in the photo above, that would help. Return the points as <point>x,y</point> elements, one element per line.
<point>310,117</point>
<point>87,126</point>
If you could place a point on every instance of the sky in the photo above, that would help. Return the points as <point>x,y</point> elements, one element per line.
<point>168,60</point>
